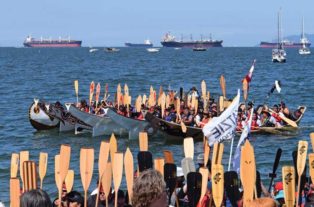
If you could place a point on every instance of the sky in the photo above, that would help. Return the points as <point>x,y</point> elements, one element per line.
<point>112,23</point>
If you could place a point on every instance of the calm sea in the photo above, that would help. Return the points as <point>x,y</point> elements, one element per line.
<point>48,74</point>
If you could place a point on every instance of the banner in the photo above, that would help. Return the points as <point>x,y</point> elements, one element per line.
<point>223,127</point>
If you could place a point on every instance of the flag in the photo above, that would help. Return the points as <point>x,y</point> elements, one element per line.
<point>278,86</point>
<point>223,127</point>
<point>248,77</point>
<point>245,134</point>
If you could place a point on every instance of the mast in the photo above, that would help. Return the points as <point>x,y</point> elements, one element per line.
<point>302,37</point>
<point>280,45</point>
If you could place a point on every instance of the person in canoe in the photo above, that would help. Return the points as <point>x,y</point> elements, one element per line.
<point>187,117</point>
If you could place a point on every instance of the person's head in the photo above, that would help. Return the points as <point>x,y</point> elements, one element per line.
<point>149,190</point>
<point>74,199</point>
<point>262,202</point>
<point>186,111</point>
<point>35,198</point>
<point>276,108</point>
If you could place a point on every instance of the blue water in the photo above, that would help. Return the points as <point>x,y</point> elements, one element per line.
<point>49,74</point>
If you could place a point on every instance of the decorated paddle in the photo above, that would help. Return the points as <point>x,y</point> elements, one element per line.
<point>76,85</point>
<point>170,176</point>
<point>218,184</point>
<point>301,160</point>
<point>14,165</point>
<point>283,117</point>
<point>43,161</point>
<point>113,146</point>
<point>194,188</point>
<point>231,184</point>
<point>247,172</point>
<point>119,95</point>
<point>29,176</point>
<point>168,156</point>
<point>143,141</point>
<point>188,145</point>
<point>223,85</point>
<point>145,160</point>
<point>117,174</point>
<point>245,89</point>
<point>65,155</point>
<point>129,173</point>
<point>24,156</point>
<point>288,180</point>
<point>159,165</point>
<point>91,92</point>
<point>275,166</point>
<point>106,180</point>
<point>15,192</point>
<point>312,140</point>
<point>69,180</point>
<point>217,153</point>
<point>86,169</point>
<point>311,166</point>
<point>97,93</point>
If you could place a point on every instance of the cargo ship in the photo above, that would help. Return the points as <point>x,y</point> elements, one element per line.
<point>147,43</point>
<point>32,42</point>
<point>285,43</point>
<point>170,41</point>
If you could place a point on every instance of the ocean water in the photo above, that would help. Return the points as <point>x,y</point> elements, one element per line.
<point>48,74</point>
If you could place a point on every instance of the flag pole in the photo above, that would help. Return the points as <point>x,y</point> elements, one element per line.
<point>231,148</point>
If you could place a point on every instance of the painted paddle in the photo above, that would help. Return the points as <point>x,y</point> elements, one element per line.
<point>117,174</point>
<point>106,181</point>
<point>43,159</point>
<point>145,160</point>
<point>168,156</point>
<point>170,176</point>
<point>91,93</point>
<point>159,165</point>
<point>24,156</point>
<point>288,180</point>
<point>65,155</point>
<point>223,85</point>
<point>245,89</point>
<point>311,165</point>
<point>69,180</point>
<point>247,171</point>
<point>275,166</point>
<point>76,85</point>
<point>301,160</point>
<point>129,173</point>
<point>29,176</point>
<point>188,145</point>
<point>218,184</point>
<point>283,117</point>
<point>14,165</point>
<point>97,93</point>
<point>194,188</point>
<point>113,146</point>
<point>143,141</point>
<point>15,192</point>
<point>312,140</point>
<point>86,169</point>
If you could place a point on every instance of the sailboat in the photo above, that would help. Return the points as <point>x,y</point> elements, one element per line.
<point>304,50</point>
<point>279,54</point>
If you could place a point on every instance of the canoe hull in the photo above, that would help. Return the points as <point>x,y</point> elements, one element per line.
<point>39,119</point>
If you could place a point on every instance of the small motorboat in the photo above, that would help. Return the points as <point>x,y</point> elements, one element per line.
<point>152,50</point>
<point>279,54</point>
<point>112,49</point>
<point>91,50</point>
<point>199,49</point>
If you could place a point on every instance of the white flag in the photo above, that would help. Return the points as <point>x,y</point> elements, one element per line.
<point>223,127</point>
<point>277,84</point>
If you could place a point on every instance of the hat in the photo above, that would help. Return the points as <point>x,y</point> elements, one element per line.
<point>280,195</point>
<point>278,186</point>
<point>250,103</point>
<point>200,158</point>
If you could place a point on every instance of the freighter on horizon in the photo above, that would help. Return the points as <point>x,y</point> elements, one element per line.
<point>32,42</point>
<point>147,43</point>
<point>285,43</point>
<point>170,41</point>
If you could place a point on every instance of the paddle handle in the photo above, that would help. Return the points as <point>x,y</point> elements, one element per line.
<point>107,205</point>
<point>97,196</point>
<point>60,195</point>
<point>41,184</point>
<point>116,199</point>
<point>270,184</point>
<point>85,198</point>
<point>298,190</point>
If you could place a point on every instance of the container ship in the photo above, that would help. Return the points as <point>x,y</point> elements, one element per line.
<point>32,42</point>
<point>147,43</point>
<point>285,43</point>
<point>170,41</point>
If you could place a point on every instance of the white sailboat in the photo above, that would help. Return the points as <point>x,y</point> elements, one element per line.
<point>279,54</point>
<point>304,50</point>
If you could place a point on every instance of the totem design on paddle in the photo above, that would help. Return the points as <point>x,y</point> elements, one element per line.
<point>288,178</point>
<point>217,178</point>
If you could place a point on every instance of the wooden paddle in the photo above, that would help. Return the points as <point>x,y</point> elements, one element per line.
<point>188,166</point>
<point>159,165</point>
<point>145,160</point>
<point>247,172</point>
<point>86,169</point>
<point>76,89</point>
<point>129,173</point>
<point>163,104</point>
<point>24,156</point>
<point>29,176</point>
<point>117,174</point>
<point>203,87</point>
<point>218,184</point>
<point>65,155</point>
<point>57,172</point>
<point>245,89</point>
<point>14,165</point>
<point>118,95</point>
<point>113,146</point>
<point>143,141</point>
<point>138,104</point>
<point>311,165</point>
<point>91,93</point>
<point>283,117</point>
<point>168,156</point>
<point>275,166</point>
<point>106,181</point>
<point>288,180</point>
<point>312,140</point>
<point>217,153</point>
<point>170,176</point>
<point>301,160</point>
<point>206,152</point>
<point>205,173</point>
<point>183,127</point>
<point>69,180</point>
<point>223,85</point>
<point>97,93</point>
<point>188,145</point>
<point>43,162</point>
<point>221,104</point>
<point>15,192</point>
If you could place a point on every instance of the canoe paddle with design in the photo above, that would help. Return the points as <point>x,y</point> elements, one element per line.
<point>275,166</point>
<point>301,160</point>
<point>29,176</point>
<point>288,180</point>
<point>232,187</point>
<point>14,165</point>
<point>218,184</point>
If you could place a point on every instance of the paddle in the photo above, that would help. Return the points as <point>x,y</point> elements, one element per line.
<point>170,176</point>
<point>76,89</point>
<point>312,140</point>
<point>14,192</point>
<point>311,165</point>
<point>188,166</point>
<point>29,176</point>
<point>283,117</point>
<point>24,156</point>
<point>138,104</point>
<point>194,188</point>
<point>245,89</point>
<point>65,155</point>
<point>118,95</point>
<point>129,173</point>
<point>97,94</point>
<point>188,145</point>
<point>106,180</point>
<point>117,174</point>
<point>43,159</point>
<point>145,160</point>
<point>57,172</point>
<point>168,156</point>
<point>143,141</point>
<point>217,153</point>
<point>203,87</point>
<point>205,173</point>
<point>288,180</point>
<point>221,104</point>
<point>231,183</point>
<point>301,160</point>
<point>86,169</point>
<point>218,184</point>
<point>14,165</point>
<point>159,165</point>
<point>91,93</point>
<point>223,85</point>
<point>69,180</point>
<point>183,127</point>
<point>275,166</point>
<point>247,171</point>
<point>206,152</point>
<point>113,146</point>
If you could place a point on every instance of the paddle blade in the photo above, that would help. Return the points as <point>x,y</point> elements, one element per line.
<point>76,87</point>
<point>91,92</point>
<point>194,188</point>
<point>311,165</point>
<point>15,192</point>
<point>218,184</point>
<point>24,156</point>
<point>30,176</point>
<point>168,156</point>
<point>170,176</point>
<point>312,140</point>
<point>106,179</point>
<point>117,170</point>
<point>188,166</point>
<point>113,147</point>
<point>203,86</point>
<point>143,141</point>
<point>97,93</point>
<point>206,152</point>
<point>57,172</point>
<point>129,172</point>
<point>183,127</point>
<point>43,161</point>
<point>103,157</point>
<point>232,187</point>
<point>277,159</point>
<point>188,145</point>
<point>223,85</point>
<point>205,173</point>
<point>245,89</point>
<point>14,164</point>
<point>86,166</point>
<point>65,155</point>
<point>145,160</point>
<point>159,165</point>
<point>288,180</point>
<point>217,153</point>
<point>69,180</point>
<point>302,154</point>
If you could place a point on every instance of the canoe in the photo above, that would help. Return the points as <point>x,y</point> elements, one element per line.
<point>133,126</point>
